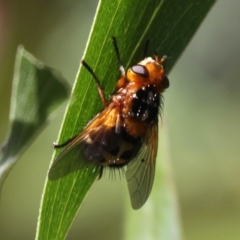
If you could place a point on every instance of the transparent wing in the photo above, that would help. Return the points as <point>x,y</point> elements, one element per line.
<point>69,160</point>
<point>140,172</point>
<point>76,155</point>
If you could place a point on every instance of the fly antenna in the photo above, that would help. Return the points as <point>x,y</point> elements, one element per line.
<point>156,56</point>
<point>164,57</point>
<point>145,50</point>
<point>121,68</point>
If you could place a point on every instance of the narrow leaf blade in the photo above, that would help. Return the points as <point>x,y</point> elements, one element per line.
<point>36,93</point>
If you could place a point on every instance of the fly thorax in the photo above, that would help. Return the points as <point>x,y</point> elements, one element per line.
<point>145,104</point>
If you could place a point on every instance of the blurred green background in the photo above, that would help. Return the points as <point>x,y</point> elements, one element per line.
<point>202,113</point>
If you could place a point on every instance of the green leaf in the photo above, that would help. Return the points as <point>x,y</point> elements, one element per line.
<point>169,25</point>
<point>36,93</point>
